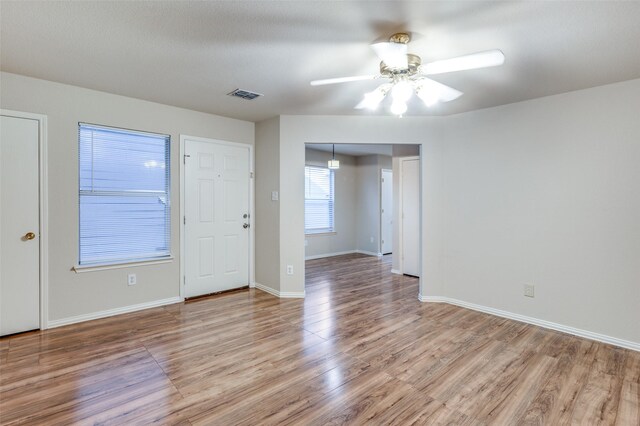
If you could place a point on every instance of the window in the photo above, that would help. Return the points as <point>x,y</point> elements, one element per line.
<point>124,195</point>
<point>318,200</point>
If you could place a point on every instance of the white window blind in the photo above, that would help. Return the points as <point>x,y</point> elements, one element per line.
<point>318,200</point>
<point>124,195</point>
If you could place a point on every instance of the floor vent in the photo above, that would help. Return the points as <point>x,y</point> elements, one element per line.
<point>244,94</point>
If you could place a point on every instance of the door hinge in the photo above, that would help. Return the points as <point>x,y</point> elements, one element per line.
<point>184,220</point>
<point>184,158</point>
<point>250,175</point>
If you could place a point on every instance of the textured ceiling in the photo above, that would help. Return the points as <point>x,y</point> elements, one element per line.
<point>190,54</point>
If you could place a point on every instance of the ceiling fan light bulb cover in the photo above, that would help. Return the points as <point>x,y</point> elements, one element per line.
<point>398,108</point>
<point>373,99</point>
<point>402,91</point>
<point>427,97</point>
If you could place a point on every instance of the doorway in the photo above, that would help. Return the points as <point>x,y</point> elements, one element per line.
<point>23,217</point>
<point>364,211</point>
<point>216,216</point>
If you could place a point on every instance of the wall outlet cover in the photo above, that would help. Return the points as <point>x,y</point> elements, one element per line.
<point>529,290</point>
<point>289,269</point>
<point>131,279</point>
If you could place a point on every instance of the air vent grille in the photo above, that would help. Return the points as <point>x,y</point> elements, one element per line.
<point>244,94</point>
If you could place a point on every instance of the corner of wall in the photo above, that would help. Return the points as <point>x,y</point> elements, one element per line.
<point>267,211</point>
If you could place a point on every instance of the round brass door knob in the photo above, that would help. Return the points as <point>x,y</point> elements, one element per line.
<point>29,236</point>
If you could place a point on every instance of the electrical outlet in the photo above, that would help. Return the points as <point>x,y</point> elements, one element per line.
<point>529,290</point>
<point>131,279</point>
<point>289,269</point>
<point>275,196</point>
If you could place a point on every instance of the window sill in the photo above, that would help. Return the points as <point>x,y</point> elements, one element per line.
<point>320,234</point>
<point>78,269</point>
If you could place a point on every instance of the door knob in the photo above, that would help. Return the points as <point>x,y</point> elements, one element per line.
<point>245,226</point>
<point>29,236</point>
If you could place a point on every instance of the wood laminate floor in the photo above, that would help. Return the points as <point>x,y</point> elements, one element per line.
<point>360,348</point>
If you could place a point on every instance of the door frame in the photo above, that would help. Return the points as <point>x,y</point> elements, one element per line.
<point>400,215</point>
<point>183,139</point>
<point>43,213</point>
<point>380,214</point>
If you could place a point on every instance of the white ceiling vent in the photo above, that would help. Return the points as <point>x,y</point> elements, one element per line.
<point>244,94</point>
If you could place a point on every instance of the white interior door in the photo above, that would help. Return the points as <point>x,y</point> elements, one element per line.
<point>386,212</point>
<point>216,218</point>
<point>410,217</point>
<point>19,225</point>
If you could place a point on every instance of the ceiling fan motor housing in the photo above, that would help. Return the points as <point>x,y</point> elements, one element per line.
<point>413,62</point>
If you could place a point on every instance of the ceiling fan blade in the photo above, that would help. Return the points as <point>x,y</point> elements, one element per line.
<point>490,58</point>
<point>343,79</point>
<point>394,55</point>
<point>430,91</point>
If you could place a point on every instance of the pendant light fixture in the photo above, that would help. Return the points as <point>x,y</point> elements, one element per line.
<point>334,164</point>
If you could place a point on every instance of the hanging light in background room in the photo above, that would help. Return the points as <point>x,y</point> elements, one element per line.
<point>334,164</point>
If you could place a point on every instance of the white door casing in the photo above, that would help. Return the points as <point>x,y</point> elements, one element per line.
<point>410,201</point>
<point>216,210</point>
<point>19,224</point>
<point>386,212</point>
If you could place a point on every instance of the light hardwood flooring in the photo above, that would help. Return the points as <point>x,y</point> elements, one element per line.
<point>359,349</point>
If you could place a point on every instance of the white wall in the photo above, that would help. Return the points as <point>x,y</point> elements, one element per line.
<point>368,205</point>
<point>344,237</point>
<point>72,294</point>
<point>368,201</point>
<point>547,192</point>
<point>267,211</point>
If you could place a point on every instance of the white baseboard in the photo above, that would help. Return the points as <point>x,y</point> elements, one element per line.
<point>280,294</point>
<point>369,253</point>
<point>627,344</point>
<point>322,256</point>
<point>112,312</point>
<point>395,271</point>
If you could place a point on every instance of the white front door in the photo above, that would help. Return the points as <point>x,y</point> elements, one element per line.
<point>410,217</point>
<point>216,218</point>
<point>19,225</point>
<point>386,214</point>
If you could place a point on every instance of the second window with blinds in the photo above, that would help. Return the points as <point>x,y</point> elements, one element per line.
<point>318,200</point>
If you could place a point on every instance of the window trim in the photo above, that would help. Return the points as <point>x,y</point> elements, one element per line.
<point>131,262</point>
<point>78,269</point>
<point>323,231</point>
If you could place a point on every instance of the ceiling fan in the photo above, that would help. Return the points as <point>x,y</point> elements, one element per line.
<point>406,75</point>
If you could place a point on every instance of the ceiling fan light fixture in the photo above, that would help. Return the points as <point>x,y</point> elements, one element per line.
<point>372,99</point>
<point>428,97</point>
<point>398,107</point>
<point>402,91</point>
